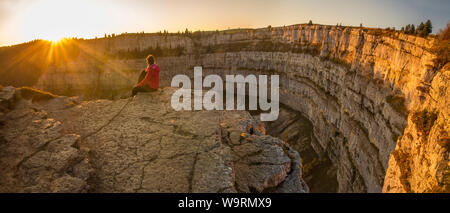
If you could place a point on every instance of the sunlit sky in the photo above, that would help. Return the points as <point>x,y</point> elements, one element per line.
<point>25,20</point>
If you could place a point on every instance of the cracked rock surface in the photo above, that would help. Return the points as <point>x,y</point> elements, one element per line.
<point>138,144</point>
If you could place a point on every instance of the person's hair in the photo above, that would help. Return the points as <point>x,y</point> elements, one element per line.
<point>150,59</point>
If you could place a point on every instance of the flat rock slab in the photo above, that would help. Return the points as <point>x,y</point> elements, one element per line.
<point>140,144</point>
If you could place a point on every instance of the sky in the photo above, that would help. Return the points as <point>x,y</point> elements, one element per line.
<point>25,20</point>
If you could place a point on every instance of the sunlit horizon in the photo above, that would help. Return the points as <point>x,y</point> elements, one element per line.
<point>53,20</point>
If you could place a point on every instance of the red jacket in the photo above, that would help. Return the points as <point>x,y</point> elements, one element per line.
<point>152,77</point>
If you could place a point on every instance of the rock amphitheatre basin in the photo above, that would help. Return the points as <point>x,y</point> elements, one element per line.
<point>354,103</point>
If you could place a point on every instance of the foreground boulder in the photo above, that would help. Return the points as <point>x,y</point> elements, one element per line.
<point>139,144</point>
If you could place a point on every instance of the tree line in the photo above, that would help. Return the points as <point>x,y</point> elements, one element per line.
<point>423,29</point>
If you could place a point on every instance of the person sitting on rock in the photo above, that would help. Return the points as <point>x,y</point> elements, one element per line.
<point>150,82</point>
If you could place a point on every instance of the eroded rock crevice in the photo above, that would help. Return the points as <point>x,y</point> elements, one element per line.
<point>318,170</point>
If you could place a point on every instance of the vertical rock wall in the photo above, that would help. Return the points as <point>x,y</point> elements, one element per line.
<point>353,85</point>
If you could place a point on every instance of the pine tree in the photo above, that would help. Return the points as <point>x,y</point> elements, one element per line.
<point>428,28</point>
<point>408,29</point>
<point>420,28</point>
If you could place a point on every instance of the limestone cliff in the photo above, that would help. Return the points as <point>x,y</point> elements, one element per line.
<point>140,144</point>
<point>420,162</point>
<point>360,88</point>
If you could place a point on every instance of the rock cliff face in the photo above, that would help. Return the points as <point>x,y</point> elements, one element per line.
<point>420,162</point>
<point>360,88</point>
<point>139,144</point>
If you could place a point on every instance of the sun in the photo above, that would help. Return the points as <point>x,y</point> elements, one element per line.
<point>57,41</point>
<point>54,37</point>
<point>53,20</point>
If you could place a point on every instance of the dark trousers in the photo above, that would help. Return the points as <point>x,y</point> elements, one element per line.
<point>144,88</point>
